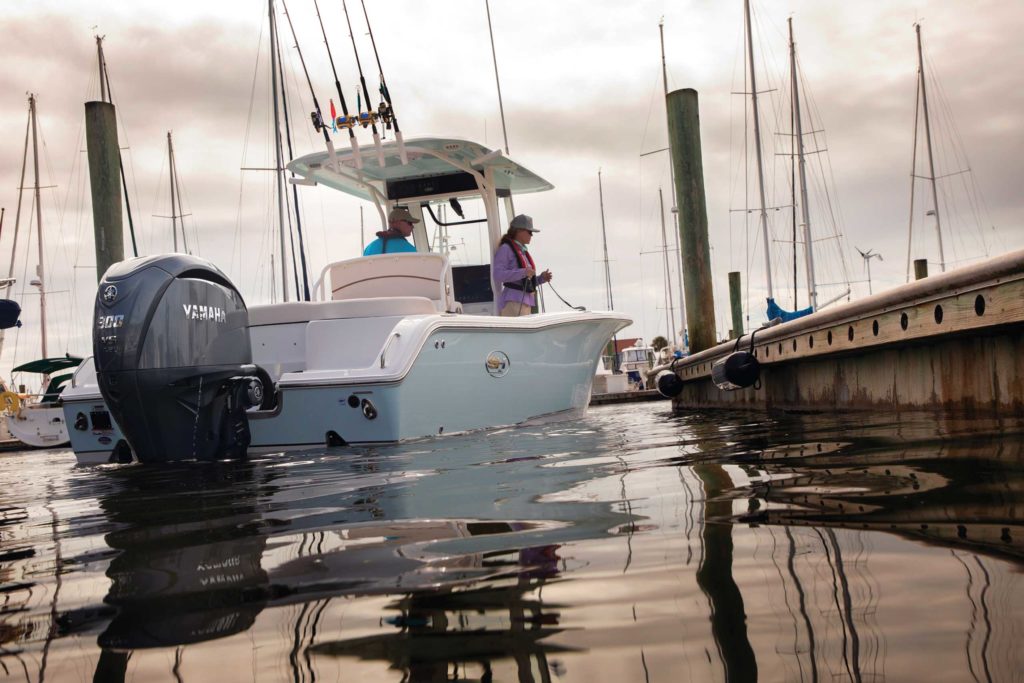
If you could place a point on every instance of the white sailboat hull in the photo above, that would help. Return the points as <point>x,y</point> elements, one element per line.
<point>39,426</point>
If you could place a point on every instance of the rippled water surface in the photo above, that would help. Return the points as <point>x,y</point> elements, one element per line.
<point>630,545</point>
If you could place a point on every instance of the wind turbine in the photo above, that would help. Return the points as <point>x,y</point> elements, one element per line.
<point>867,256</point>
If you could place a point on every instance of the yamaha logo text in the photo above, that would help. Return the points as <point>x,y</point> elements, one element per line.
<point>198,312</point>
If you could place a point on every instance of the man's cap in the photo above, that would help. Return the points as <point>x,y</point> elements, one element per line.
<point>401,213</point>
<point>523,222</point>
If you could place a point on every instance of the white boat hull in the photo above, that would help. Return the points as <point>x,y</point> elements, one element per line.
<point>39,426</point>
<point>448,387</point>
<point>91,428</point>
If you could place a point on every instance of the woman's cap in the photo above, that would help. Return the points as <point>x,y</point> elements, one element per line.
<point>523,222</point>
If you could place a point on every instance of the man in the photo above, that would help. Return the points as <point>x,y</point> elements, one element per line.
<point>514,269</point>
<point>394,239</point>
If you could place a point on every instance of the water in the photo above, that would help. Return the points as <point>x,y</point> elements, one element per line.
<point>630,545</point>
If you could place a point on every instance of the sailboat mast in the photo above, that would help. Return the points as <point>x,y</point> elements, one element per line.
<point>604,241</point>
<point>103,79</point>
<point>928,140</point>
<point>278,168</point>
<point>805,213</point>
<point>176,195</point>
<point>668,273</point>
<point>757,147</point>
<point>40,269</point>
<point>170,168</point>
<point>675,214</point>
<point>913,176</point>
<point>17,218</point>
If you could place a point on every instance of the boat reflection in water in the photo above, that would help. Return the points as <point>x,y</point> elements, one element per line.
<point>625,546</point>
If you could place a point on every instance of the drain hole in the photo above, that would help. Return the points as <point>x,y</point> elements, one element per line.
<point>904,321</point>
<point>938,314</point>
<point>874,328</point>
<point>979,305</point>
<point>829,338</point>
<point>849,333</point>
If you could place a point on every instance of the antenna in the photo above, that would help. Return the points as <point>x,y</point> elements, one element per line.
<point>497,81</point>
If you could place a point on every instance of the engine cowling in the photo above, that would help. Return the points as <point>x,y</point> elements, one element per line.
<point>173,358</point>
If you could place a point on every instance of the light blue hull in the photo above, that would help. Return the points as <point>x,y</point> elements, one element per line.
<point>449,388</point>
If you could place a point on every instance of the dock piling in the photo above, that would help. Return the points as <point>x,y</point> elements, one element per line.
<point>736,304</point>
<point>920,268</point>
<point>105,183</point>
<point>684,143</point>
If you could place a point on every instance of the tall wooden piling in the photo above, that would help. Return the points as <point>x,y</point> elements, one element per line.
<point>684,142</point>
<point>920,268</point>
<point>104,180</point>
<point>736,304</point>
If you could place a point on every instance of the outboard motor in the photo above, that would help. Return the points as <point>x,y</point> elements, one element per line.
<point>738,370</point>
<point>173,359</point>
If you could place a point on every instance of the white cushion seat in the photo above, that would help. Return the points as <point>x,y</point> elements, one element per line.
<point>392,275</point>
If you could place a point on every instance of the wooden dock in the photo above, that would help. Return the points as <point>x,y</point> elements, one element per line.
<point>949,342</point>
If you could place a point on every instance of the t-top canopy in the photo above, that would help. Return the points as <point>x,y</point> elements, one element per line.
<point>48,366</point>
<point>437,166</point>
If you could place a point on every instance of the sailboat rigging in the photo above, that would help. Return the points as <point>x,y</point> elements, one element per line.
<point>38,420</point>
<point>798,153</point>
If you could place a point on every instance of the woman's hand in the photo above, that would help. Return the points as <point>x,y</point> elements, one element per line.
<point>530,272</point>
<point>545,276</point>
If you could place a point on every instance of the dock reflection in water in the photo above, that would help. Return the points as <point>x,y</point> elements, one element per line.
<point>630,545</point>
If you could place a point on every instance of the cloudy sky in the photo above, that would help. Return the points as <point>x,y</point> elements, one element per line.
<point>582,89</point>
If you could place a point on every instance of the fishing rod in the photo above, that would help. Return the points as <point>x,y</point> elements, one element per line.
<point>386,109</point>
<point>369,116</point>
<point>345,121</point>
<point>316,116</point>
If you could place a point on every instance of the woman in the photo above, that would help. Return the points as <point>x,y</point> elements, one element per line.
<point>515,270</point>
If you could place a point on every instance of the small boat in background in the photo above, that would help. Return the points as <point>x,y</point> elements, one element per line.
<point>38,419</point>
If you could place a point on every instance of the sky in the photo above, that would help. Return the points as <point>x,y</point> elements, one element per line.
<point>582,89</point>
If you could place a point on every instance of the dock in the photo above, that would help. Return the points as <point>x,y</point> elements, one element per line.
<point>951,342</point>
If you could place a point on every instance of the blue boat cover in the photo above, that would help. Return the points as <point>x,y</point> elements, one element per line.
<point>9,312</point>
<point>774,311</point>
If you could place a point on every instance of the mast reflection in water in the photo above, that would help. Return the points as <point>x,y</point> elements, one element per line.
<point>629,545</point>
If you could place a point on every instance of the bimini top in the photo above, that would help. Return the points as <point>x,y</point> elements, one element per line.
<point>48,366</point>
<point>437,167</point>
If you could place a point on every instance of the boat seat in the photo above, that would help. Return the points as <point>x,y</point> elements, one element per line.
<point>306,311</point>
<point>392,275</point>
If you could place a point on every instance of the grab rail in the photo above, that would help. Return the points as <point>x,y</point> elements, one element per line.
<point>383,354</point>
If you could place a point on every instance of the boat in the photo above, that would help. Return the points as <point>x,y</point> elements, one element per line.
<point>636,361</point>
<point>94,435</point>
<point>38,420</point>
<point>392,347</point>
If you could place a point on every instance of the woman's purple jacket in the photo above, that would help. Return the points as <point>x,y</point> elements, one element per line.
<point>506,269</point>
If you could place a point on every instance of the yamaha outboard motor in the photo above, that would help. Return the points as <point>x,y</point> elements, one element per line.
<point>173,360</point>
